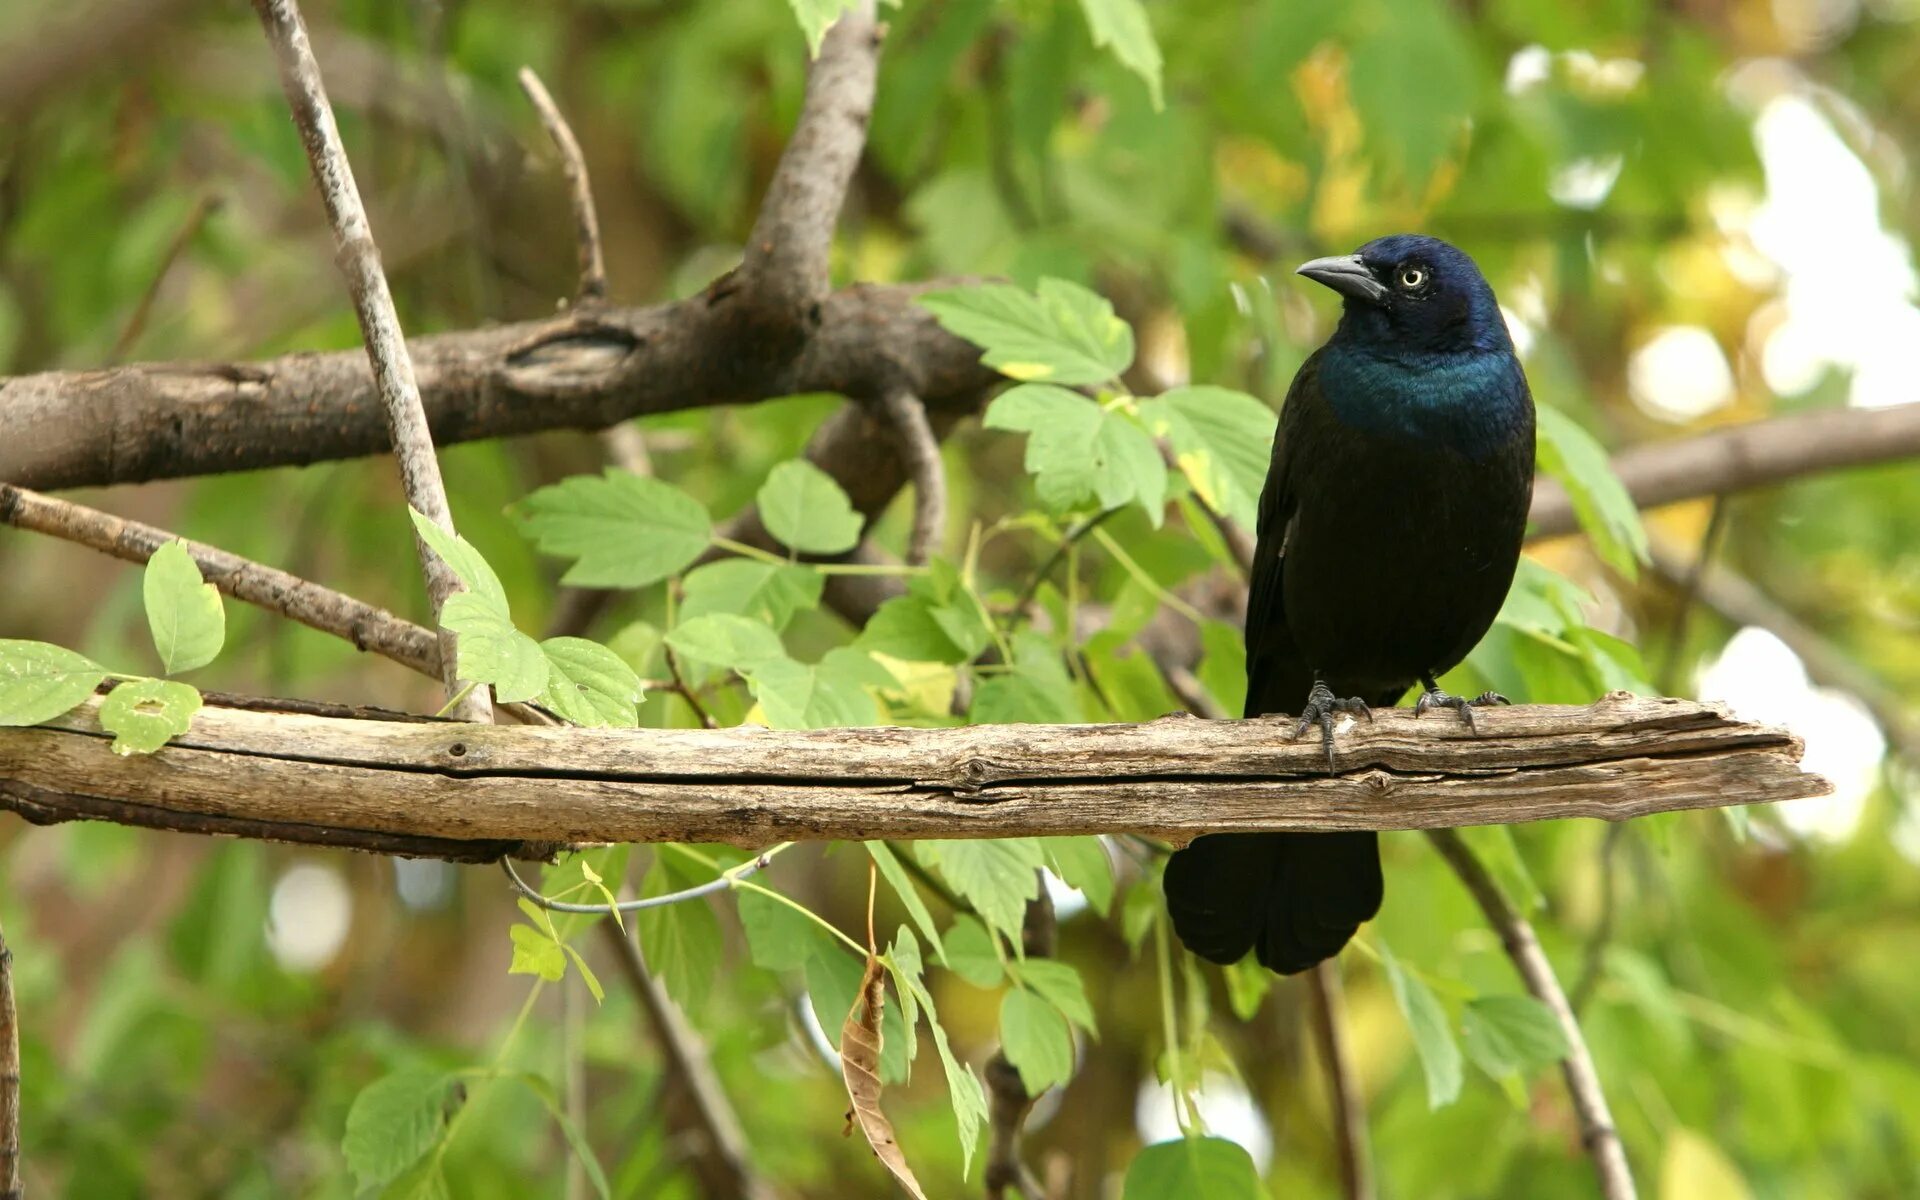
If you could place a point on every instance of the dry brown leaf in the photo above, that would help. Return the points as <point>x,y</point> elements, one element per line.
<point>860,1068</point>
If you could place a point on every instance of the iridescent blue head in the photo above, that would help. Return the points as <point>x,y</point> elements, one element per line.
<point>1413,295</point>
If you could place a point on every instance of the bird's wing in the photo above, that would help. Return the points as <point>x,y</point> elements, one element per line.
<point>1277,678</point>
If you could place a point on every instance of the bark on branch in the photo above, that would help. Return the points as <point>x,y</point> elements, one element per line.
<point>303,777</point>
<point>10,1185</point>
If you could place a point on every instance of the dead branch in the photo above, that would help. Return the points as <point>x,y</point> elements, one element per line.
<point>1597,1131</point>
<point>359,261</point>
<point>371,629</point>
<point>313,778</point>
<point>586,218</point>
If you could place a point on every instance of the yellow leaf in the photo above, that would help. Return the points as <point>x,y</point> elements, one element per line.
<point>1693,1168</point>
<point>1025,372</point>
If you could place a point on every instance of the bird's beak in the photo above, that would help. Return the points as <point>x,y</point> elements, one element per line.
<point>1346,274</point>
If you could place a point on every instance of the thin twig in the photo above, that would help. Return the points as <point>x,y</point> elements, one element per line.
<point>724,1165</point>
<point>1068,541</point>
<point>1597,1131</point>
<point>371,629</point>
<point>921,451</point>
<point>1689,589</point>
<point>586,220</point>
<point>11,1187</point>
<point>685,689</point>
<point>359,261</point>
<point>205,207</point>
<point>1593,960</point>
<point>726,880</point>
<point>1348,1106</point>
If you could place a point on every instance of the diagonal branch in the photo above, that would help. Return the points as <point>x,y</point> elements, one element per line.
<point>1348,1107</point>
<point>371,629</point>
<point>1597,1131</point>
<point>586,218</point>
<point>359,261</point>
<point>785,270</point>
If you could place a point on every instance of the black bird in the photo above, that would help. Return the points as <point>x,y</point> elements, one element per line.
<point>1390,527</point>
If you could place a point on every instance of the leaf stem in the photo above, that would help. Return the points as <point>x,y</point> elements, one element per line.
<point>1145,580</point>
<point>454,701</point>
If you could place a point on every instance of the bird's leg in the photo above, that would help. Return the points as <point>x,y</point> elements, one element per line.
<point>1322,704</point>
<point>1433,697</point>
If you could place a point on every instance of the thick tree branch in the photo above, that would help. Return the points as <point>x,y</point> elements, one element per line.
<point>1348,1108</point>
<point>785,271</point>
<point>586,218</point>
<point>10,1170</point>
<point>314,778</point>
<point>368,628</point>
<point>359,261</point>
<point>1740,457</point>
<point>1597,1131</point>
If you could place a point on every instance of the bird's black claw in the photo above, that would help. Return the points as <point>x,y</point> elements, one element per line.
<point>1322,705</point>
<point>1435,698</point>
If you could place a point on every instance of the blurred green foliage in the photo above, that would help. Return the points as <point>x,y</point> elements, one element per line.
<point>1750,1007</point>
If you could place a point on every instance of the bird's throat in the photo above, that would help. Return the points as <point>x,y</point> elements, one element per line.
<point>1472,403</point>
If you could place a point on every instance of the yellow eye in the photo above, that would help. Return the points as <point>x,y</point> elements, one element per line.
<point>1412,277</point>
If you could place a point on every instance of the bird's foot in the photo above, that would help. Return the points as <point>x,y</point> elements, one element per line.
<point>1433,697</point>
<point>1322,706</point>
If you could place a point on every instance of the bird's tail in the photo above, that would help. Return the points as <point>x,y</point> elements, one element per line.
<point>1294,899</point>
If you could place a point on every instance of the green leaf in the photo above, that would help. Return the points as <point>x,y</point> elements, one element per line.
<point>589,684</point>
<point>828,695</point>
<point>816,17</point>
<point>1122,26</point>
<point>536,952</point>
<point>1035,1039</point>
<point>1223,665</point>
<point>1082,862</point>
<point>1511,1035</point>
<point>1247,985</point>
<point>724,640</point>
<point>963,1086</point>
<point>492,651</point>
<point>1413,118</point>
<point>1063,333</point>
<point>465,561</point>
<point>1607,513</point>
<point>1036,690</point>
<point>747,587</point>
<point>920,627</point>
<point>586,974</point>
<point>682,941</point>
<point>902,885</point>
<point>183,611</point>
<point>1059,985</point>
<point>995,875</point>
<point>778,938</point>
<point>143,714</point>
<point>393,1122</point>
<point>1432,1034</point>
<point>803,507</point>
<point>1191,1167</point>
<point>622,530</point>
<point>970,952</point>
<point>1081,453</point>
<point>1221,440</point>
<point>39,681</point>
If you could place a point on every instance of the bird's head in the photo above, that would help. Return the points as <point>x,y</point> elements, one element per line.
<point>1413,293</point>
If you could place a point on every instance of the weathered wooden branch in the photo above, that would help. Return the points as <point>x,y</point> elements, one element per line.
<point>385,785</point>
<point>358,258</point>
